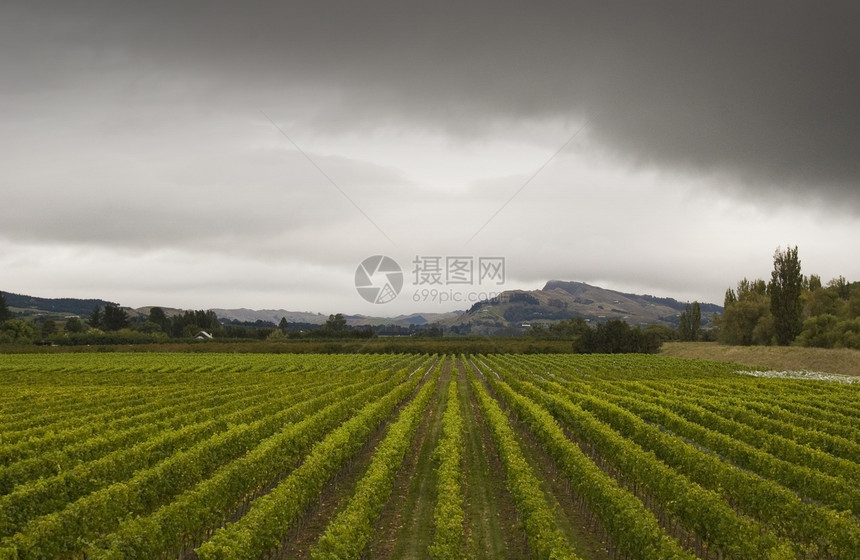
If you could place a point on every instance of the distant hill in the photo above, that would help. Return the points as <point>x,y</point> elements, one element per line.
<point>274,316</point>
<point>270,315</point>
<point>559,300</point>
<point>60,306</point>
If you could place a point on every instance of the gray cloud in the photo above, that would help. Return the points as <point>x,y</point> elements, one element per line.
<point>134,126</point>
<point>765,90</point>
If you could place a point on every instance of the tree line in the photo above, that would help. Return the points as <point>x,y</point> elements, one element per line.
<point>791,308</point>
<point>612,337</point>
<point>111,324</point>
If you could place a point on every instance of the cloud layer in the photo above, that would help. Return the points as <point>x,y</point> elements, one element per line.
<point>135,129</point>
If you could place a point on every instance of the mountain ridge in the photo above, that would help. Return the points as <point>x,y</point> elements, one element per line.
<point>515,310</point>
<point>557,300</point>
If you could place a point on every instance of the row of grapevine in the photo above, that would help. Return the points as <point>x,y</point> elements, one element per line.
<point>53,435</point>
<point>347,535</point>
<point>40,497</point>
<point>448,538</point>
<point>66,530</point>
<point>701,512</point>
<point>830,490</point>
<point>715,417</point>
<point>633,528</point>
<point>839,439</point>
<point>50,463</point>
<point>184,521</point>
<point>271,516</point>
<point>836,406</point>
<point>823,531</point>
<point>544,537</point>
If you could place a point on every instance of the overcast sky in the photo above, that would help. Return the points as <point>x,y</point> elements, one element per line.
<point>252,154</point>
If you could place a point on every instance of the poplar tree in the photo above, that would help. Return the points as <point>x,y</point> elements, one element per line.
<point>784,288</point>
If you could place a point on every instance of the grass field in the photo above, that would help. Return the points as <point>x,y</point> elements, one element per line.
<point>218,456</point>
<point>844,361</point>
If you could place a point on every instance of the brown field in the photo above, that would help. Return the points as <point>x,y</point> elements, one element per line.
<point>841,360</point>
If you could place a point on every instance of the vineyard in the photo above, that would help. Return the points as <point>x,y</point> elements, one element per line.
<point>229,456</point>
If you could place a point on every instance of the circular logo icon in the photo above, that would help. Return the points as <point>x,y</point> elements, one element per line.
<point>378,279</point>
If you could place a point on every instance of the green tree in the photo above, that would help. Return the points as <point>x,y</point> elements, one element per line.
<point>814,282</point>
<point>95,318</point>
<point>283,325</point>
<point>841,286</point>
<point>5,314</point>
<point>115,318</point>
<point>17,330</point>
<point>784,290</point>
<point>157,316</point>
<point>49,327</point>
<point>691,322</point>
<point>336,323</point>
<point>74,325</point>
<point>821,301</point>
<point>746,319</point>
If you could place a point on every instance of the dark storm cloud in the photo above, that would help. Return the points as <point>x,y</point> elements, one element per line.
<point>765,91</point>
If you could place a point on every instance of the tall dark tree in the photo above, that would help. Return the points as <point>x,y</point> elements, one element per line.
<point>95,318</point>
<point>814,282</point>
<point>74,325</point>
<point>784,289</point>
<point>157,316</point>
<point>691,322</point>
<point>335,323</point>
<point>115,318</point>
<point>4,309</point>
<point>842,287</point>
<point>49,327</point>
<point>283,325</point>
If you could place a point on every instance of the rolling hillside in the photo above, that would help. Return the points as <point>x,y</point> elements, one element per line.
<point>566,300</point>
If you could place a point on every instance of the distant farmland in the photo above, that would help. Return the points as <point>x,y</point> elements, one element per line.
<point>223,456</point>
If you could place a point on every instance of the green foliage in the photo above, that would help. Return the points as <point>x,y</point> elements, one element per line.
<point>617,337</point>
<point>449,540</point>
<point>205,506</point>
<point>159,318</point>
<point>335,324</point>
<point>699,510</point>
<point>746,318</point>
<point>190,323</point>
<point>95,318</point>
<point>784,290</point>
<point>49,327</point>
<point>272,515</point>
<point>561,330</point>
<point>74,325</point>
<point>826,533</point>
<point>690,323</point>
<point>17,331</point>
<point>793,309</point>
<point>841,286</point>
<point>153,455</point>
<point>813,282</point>
<point>827,331</point>
<point>5,314</point>
<point>543,534</point>
<point>276,335</point>
<point>349,533</point>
